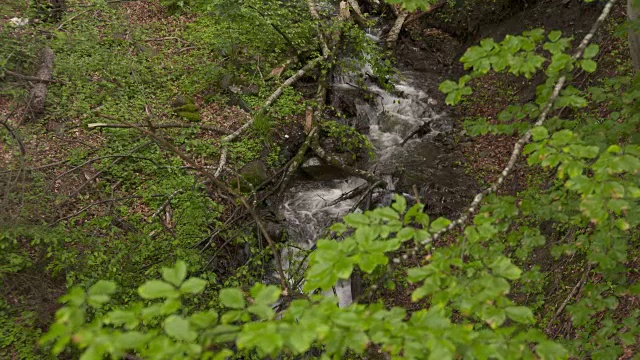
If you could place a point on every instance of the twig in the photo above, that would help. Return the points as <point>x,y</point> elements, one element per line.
<point>95,204</point>
<point>517,149</point>
<point>71,18</point>
<point>573,293</point>
<point>23,150</point>
<point>157,126</point>
<point>167,38</point>
<point>164,204</point>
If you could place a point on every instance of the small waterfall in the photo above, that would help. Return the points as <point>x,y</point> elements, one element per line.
<point>391,116</point>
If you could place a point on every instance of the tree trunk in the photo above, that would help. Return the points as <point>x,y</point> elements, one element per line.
<point>633,11</point>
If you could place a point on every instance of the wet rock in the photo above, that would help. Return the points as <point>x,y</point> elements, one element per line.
<point>318,170</point>
<point>275,230</point>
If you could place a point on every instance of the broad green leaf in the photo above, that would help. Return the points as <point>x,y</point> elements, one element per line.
<point>102,287</point>
<point>156,289</point>
<point>100,293</point>
<point>448,86</point>
<point>179,328</point>
<point>265,294</point>
<point>204,319</point>
<point>263,311</point>
<point>521,314</point>
<point>588,65</point>
<point>439,224</point>
<point>503,267</point>
<point>555,35</point>
<point>232,298</point>
<point>193,286</point>
<point>356,220</point>
<point>539,133</point>
<point>175,275</point>
<point>591,51</point>
<point>549,350</point>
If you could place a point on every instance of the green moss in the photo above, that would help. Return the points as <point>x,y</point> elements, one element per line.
<point>191,116</point>
<point>187,108</point>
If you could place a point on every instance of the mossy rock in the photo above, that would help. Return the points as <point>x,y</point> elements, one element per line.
<point>256,172</point>
<point>191,116</point>
<point>182,100</point>
<point>187,108</point>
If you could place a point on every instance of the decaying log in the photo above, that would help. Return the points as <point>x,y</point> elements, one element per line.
<point>38,96</point>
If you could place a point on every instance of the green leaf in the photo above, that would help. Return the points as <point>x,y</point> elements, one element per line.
<point>555,35</point>
<point>265,294</point>
<point>193,286</point>
<point>76,297</point>
<point>263,311</point>
<point>447,86</point>
<point>179,328</point>
<point>356,220</point>
<point>588,65</point>
<point>503,267</point>
<point>439,224</point>
<point>131,339</point>
<point>156,289</point>
<point>521,314</point>
<point>591,51</point>
<point>539,133</point>
<point>549,350</point>
<point>175,275</point>
<point>232,298</point>
<point>102,287</point>
<point>399,203</point>
<point>204,319</point>
<point>405,234</point>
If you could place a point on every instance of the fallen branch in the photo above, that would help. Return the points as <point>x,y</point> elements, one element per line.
<point>519,145</point>
<point>393,34</point>
<point>349,194</point>
<point>422,129</point>
<point>28,78</point>
<point>157,126</point>
<point>576,289</point>
<point>38,94</point>
<point>270,100</point>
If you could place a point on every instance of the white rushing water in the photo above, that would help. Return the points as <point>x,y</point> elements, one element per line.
<point>391,115</point>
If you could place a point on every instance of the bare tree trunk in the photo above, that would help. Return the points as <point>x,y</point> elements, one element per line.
<point>633,11</point>
<point>39,90</point>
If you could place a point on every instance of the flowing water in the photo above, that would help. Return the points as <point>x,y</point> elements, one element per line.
<point>309,208</point>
